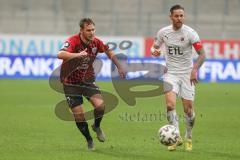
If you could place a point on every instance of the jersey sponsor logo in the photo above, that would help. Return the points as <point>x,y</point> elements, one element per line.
<point>84,63</point>
<point>175,50</point>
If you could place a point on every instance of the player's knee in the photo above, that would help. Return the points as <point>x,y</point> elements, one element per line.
<point>99,111</point>
<point>170,106</point>
<point>99,105</point>
<point>188,109</point>
<point>79,117</point>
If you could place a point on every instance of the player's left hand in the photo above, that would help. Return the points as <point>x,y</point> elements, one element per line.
<point>193,78</point>
<point>122,73</point>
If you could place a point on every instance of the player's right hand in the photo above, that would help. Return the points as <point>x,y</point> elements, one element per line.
<point>193,77</point>
<point>83,53</point>
<point>155,52</point>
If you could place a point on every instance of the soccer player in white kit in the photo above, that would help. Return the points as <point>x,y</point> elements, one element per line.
<point>181,73</point>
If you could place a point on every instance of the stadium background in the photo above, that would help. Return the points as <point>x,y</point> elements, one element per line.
<point>32,31</point>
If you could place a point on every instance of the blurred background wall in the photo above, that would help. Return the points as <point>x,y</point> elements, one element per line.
<point>213,19</point>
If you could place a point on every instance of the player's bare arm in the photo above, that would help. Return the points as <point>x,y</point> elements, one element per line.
<point>65,55</point>
<point>112,56</point>
<point>197,65</point>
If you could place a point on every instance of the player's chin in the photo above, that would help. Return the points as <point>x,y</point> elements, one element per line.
<point>90,38</point>
<point>179,24</point>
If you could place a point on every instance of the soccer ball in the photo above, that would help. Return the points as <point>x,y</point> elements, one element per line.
<point>168,135</point>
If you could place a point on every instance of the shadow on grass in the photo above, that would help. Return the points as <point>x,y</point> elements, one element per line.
<point>219,154</point>
<point>125,154</point>
<point>166,155</point>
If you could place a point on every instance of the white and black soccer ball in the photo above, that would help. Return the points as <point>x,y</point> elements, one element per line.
<point>168,135</point>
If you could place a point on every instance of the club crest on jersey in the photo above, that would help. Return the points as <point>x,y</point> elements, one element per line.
<point>182,39</point>
<point>94,50</point>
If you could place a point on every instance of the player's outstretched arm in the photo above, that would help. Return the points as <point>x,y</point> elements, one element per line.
<point>201,58</point>
<point>112,56</point>
<point>65,55</point>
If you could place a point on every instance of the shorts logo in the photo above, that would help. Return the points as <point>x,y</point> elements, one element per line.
<point>94,50</point>
<point>182,39</point>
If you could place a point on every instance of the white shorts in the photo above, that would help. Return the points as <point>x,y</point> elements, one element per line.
<point>181,85</point>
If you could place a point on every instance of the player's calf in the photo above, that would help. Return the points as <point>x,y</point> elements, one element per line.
<point>189,120</point>
<point>98,115</point>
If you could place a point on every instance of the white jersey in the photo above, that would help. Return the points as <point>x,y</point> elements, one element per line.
<point>178,46</point>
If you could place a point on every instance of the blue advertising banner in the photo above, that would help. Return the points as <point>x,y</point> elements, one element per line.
<point>220,71</point>
<point>27,67</point>
<point>41,67</point>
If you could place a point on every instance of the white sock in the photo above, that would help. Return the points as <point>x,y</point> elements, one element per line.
<point>173,118</point>
<point>189,120</point>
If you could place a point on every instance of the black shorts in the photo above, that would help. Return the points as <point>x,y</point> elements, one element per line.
<point>74,92</point>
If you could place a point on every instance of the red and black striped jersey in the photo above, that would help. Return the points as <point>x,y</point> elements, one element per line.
<point>79,70</point>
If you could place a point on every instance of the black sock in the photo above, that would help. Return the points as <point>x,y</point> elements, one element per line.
<point>83,127</point>
<point>98,114</point>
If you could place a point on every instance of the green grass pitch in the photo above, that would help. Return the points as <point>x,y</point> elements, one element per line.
<point>30,130</point>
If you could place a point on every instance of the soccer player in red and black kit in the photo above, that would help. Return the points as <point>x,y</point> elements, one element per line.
<point>83,48</point>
